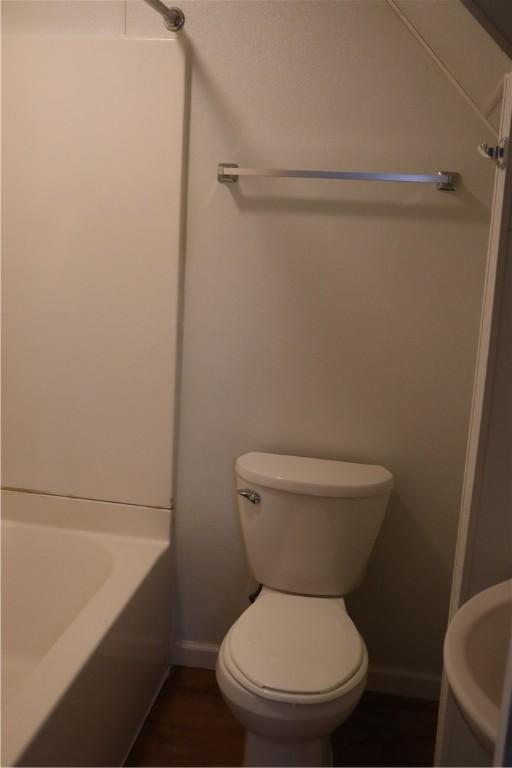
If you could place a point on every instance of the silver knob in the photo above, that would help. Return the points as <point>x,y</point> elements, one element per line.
<point>253,497</point>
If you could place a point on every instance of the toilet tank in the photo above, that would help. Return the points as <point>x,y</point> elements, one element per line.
<point>309,525</point>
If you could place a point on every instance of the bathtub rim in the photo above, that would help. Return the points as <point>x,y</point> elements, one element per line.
<point>87,515</point>
<point>134,558</point>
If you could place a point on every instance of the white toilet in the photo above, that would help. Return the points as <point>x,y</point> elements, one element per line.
<point>293,666</point>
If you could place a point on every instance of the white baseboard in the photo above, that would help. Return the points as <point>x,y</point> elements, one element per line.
<point>191,654</point>
<point>404,682</point>
<point>400,682</point>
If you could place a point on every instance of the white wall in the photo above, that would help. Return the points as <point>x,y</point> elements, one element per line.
<point>92,187</point>
<point>452,33</point>
<point>328,320</point>
<point>324,319</point>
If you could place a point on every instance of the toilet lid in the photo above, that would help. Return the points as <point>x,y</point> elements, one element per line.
<point>295,644</point>
<point>313,477</point>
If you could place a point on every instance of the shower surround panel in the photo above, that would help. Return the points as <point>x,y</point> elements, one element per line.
<point>92,196</point>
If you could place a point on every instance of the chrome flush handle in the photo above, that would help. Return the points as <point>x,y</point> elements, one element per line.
<point>253,497</point>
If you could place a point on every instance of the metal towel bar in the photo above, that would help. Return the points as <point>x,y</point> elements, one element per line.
<point>228,173</point>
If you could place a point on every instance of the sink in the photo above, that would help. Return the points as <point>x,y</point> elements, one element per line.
<point>475,657</point>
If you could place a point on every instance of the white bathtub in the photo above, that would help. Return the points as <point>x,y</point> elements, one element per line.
<point>86,627</point>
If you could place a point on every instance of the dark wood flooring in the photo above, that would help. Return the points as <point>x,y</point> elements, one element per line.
<point>190,725</point>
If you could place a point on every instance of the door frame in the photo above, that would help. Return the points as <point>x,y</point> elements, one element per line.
<point>487,400</point>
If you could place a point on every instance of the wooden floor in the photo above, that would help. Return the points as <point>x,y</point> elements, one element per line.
<point>190,725</point>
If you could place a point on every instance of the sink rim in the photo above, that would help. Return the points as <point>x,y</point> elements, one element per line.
<point>478,708</point>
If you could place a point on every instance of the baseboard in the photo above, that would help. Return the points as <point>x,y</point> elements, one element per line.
<point>191,654</point>
<point>404,682</point>
<point>399,682</point>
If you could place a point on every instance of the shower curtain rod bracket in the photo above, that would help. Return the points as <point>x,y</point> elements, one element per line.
<point>173,18</point>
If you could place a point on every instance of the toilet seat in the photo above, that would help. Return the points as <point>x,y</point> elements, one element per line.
<point>295,649</point>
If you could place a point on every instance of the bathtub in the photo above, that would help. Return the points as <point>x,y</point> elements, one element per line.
<point>86,627</point>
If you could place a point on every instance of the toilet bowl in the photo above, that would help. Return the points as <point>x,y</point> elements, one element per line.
<point>293,666</point>
<point>291,670</point>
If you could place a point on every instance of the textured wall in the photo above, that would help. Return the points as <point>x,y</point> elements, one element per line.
<point>325,319</point>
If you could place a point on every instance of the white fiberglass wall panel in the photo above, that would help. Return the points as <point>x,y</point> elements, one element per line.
<point>92,168</point>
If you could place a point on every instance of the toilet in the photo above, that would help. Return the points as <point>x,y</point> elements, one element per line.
<point>293,666</point>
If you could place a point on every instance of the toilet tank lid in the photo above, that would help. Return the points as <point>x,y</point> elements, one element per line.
<point>314,477</point>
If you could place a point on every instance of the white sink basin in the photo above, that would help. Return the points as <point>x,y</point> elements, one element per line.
<point>475,656</point>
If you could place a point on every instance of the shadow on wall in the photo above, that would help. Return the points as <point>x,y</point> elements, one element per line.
<point>390,622</point>
<point>465,206</point>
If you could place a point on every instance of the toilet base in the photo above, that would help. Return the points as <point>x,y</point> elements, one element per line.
<point>264,752</point>
<point>285,733</point>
